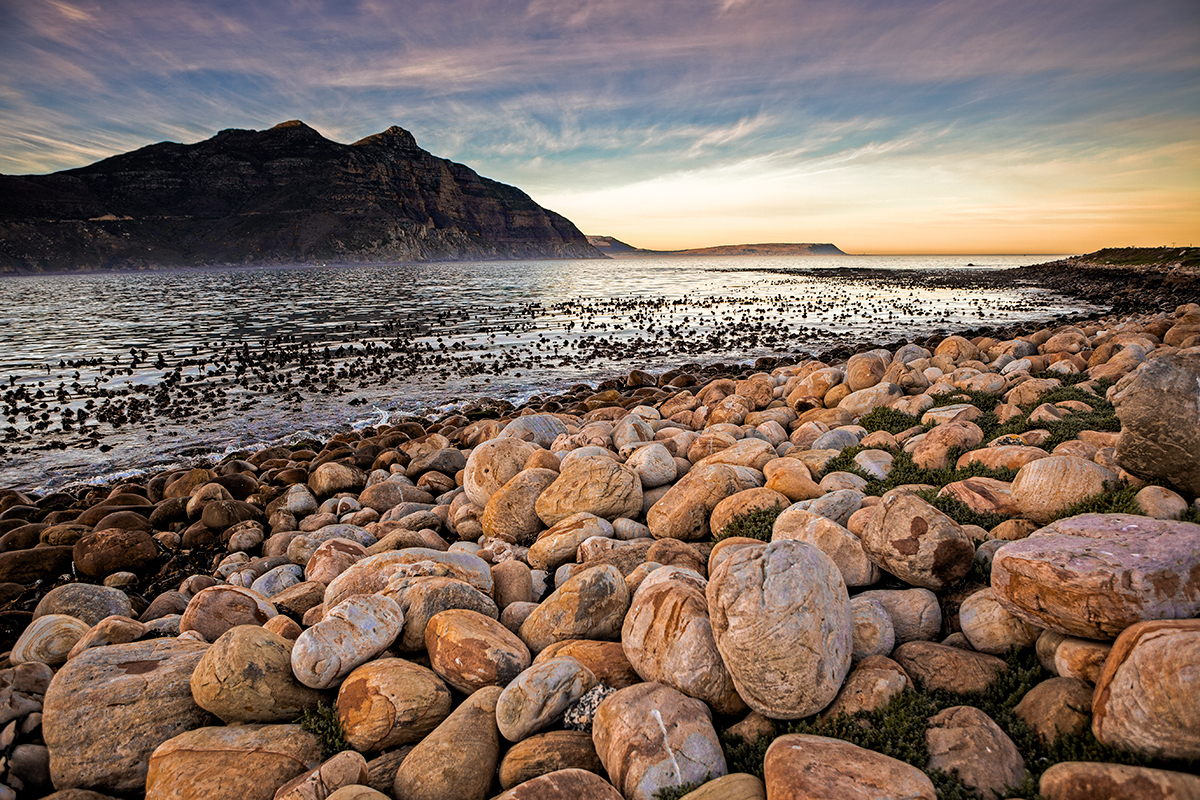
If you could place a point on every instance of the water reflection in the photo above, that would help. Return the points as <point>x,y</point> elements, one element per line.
<point>163,350</point>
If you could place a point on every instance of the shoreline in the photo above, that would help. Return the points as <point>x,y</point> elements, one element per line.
<point>1123,290</point>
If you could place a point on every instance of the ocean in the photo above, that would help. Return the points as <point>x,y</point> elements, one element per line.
<point>107,375</point>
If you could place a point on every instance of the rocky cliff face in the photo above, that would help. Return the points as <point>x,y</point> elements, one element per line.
<point>284,195</point>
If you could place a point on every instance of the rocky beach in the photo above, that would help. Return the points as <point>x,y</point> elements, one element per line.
<point>967,565</point>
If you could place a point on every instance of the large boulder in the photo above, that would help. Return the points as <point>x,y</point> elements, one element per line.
<point>1045,487</point>
<point>781,620</point>
<point>249,762</point>
<point>651,737</point>
<point>684,511</point>
<point>591,605</point>
<point>668,638</point>
<point>595,484</point>
<point>108,709</point>
<point>469,650</point>
<point>917,543</point>
<point>391,702</point>
<point>510,513</point>
<point>246,676</point>
<point>493,464</point>
<point>458,759</point>
<point>351,633</point>
<point>373,573</point>
<point>800,766</point>
<point>1088,780</point>
<point>1159,408</point>
<point>1145,699</point>
<point>540,695</point>
<point>1094,575</point>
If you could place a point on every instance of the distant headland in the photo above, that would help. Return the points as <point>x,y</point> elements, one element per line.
<point>615,248</point>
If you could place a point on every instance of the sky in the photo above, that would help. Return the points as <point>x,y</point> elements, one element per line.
<point>962,126</point>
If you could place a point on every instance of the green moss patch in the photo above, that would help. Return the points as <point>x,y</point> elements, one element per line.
<point>888,419</point>
<point>756,524</point>
<point>323,723</point>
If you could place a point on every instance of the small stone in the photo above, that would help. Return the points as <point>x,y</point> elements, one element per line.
<point>48,639</point>
<point>840,545</point>
<point>104,552</point>
<point>1056,706</point>
<point>990,628</point>
<point>391,702</point>
<point>510,513</point>
<point>469,650</point>
<point>563,784</point>
<point>548,752</point>
<point>351,633</point>
<point>347,768</point>
<point>871,685</point>
<point>916,614</point>
<point>1158,405</point>
<point>874,634</point>
<point>937,666</point>
<point>598,486</point>
<point>214,610</point>
<point>85,601</point>
<point>684,511</point>
<point>110,630</point>
<point>968,744</point>
<point>919,544</point>
<point>1081,658</point>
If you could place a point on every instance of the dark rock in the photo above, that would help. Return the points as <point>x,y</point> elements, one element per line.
<point>104,552</point>
<point>39,563</point>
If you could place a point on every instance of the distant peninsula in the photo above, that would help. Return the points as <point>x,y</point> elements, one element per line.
<point>615,248</point>
<point>280,196</point>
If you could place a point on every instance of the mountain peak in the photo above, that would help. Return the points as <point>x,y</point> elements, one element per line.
<point>291,123</point>
<point>394,137</point>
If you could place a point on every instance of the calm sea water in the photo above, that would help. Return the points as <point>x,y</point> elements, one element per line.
<point>323,348</point>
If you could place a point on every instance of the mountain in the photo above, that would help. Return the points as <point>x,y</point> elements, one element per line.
<point>283,195</point>
<point>616,248</point>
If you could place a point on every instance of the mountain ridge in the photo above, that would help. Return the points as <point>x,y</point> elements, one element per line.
<point>282,195</point>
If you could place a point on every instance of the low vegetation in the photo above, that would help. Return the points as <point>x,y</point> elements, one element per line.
<point>323,723</point>
<point>756,524</point>
<point>898,730</point>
